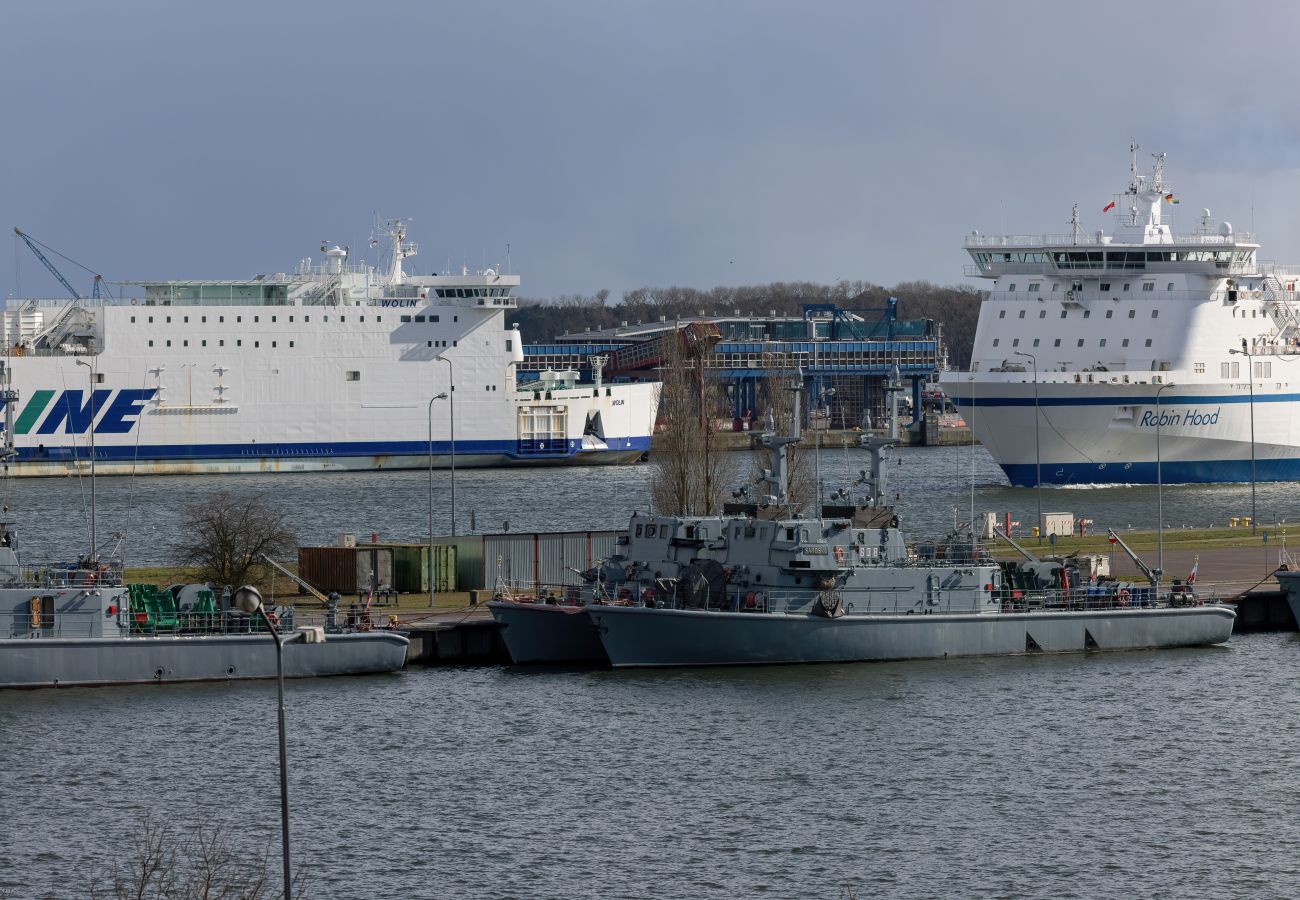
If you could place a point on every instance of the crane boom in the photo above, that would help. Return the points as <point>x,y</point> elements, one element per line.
<point>1152,575</point>
<point>1023,552</point>
<point>294,578</point>
<point>31,245</point>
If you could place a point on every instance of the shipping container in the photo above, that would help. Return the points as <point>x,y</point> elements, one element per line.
<point>545,559</point>
<point>328,568</point>
<point>374,568</point>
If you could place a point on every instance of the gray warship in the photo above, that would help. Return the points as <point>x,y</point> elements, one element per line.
<point>80,625</point>
<point>759,585</point>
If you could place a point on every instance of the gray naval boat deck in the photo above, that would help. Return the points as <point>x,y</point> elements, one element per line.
<point>65,626</point>
<point>761,585</point>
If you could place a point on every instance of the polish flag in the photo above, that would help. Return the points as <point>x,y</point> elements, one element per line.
<point>1191,579</point>
<point>1108,207</point>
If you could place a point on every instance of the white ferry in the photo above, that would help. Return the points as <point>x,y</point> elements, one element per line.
<point>1098,355</point>
<point>336,366</point>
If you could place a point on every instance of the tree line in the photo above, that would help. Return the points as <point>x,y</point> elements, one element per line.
<point>956,309</point>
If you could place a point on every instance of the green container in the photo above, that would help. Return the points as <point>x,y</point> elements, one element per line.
<point>411,568</point>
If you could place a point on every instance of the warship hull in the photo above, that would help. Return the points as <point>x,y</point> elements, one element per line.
<point>99,661</point>
<point>537,634</point>
<point>644,636</point>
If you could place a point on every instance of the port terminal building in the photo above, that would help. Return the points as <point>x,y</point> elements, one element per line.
<point>847,357</point>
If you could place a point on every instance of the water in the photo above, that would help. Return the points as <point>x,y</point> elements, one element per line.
<point>1157,774</point>
<point>1163,774</point>
<point>933,485</point>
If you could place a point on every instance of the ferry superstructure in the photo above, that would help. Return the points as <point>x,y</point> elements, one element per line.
<point>336,366</point>
<point>1098,355</point>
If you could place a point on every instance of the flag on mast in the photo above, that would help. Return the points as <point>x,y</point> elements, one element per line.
<point>1191,579</point>
<point>1108,207</point>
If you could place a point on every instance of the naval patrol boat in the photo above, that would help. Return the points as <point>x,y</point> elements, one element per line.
<point>771,587</point>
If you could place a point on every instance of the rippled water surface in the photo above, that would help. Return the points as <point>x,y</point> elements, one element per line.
<point>933,487</point>
<point>1132,774</point>
<point>1165,774</point>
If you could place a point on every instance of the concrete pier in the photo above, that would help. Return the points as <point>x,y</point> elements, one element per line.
<point>475,640</point>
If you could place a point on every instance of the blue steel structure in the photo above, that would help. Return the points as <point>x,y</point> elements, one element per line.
<point>850,350</point>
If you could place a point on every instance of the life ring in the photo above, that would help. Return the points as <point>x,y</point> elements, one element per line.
<point>839,555</point>
<point>1123,598</point>
<point>134,301</point>
<point>1258,294</point>
<point>273,618</point>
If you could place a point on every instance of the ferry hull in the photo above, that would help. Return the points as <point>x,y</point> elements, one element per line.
<point>541,634</point>
<point>1107,434</point>
<point>647,637</point>
<point>95,662</point>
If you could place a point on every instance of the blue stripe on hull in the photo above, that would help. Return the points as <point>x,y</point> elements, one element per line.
<point>324,450</point>
<point>1169,400</point>
<point>1200,472</point>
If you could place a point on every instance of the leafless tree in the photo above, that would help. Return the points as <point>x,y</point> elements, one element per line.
<point>202,864</point>
<point>691,471</point>
<point>227,532</point>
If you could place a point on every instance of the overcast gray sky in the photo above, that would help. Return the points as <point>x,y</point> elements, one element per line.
<point>625,144</point>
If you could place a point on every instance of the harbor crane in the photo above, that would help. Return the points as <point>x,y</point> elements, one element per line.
<point>35,246</point>
<point>1152,575</point>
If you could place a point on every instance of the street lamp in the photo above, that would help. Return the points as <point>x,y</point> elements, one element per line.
<point>249,599</point>
<point>442,396</point>
<point>1038,457</point>
<point>91,373</point>
<point>1160,487</point>
<point>451,408</point>
<point>1250,373</point>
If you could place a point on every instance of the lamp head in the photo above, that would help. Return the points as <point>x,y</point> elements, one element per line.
<point>248,599</point>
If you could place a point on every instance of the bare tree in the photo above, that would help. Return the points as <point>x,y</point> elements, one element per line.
<point>201,865</point>
<point>692,471</point>
<point>226,534</point>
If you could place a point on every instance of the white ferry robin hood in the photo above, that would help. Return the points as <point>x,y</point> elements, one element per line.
<point>336,366</point>
<point>1098,354</point>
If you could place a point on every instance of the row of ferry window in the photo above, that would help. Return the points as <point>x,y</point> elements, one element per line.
<point>408,319</point>
<point>1114,259</point>
<point>238,319</point>
<point>1015,342</point>
<point>473,292</point>
<point>1036,286</point>
<point>1087,314</point>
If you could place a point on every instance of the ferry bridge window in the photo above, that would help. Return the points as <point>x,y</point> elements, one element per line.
<point>273,345</point>
<point>1087,313</point>
<point>133,320</point>
<point>377,318</point>
<point>995,341</point>
<point>221,319</point>
<point>1105,286</point>
<point>1063,314</point>
<point>257,344</point>
<point>291,343</point>
<point>1110,313</point>
<point>257,318</point>
<point>509,344</point>
<point>1148,286</point>
<point>239,342</point>
<point>1080,342</point>
<point>343,318</point>
<point>1011,288</point>
<point>169,343</point>
<point>1022,314</point>
<point>1125,344</point>
<point>433,318</point>
<point>353,376</point>
<point>1132,313</point>
<point>1042,314</point>
<point>203,343</point>
<point>239,318</point>
<point>1199,368</point>
<point>1035,287</point>
<point>1148,343</point>
<point>1101,343</point>
<point>185,319</point>
<point>419,318</point>
<point>406,318</point>
<point>185,343</point>
<point>169,320</point>
<point>1169,286</point>
<point>272,318</point>
<point>1035,342</point>
<point>151,343</point>
<point>221,343</point>
<point>1015,342</point>
<point>1057,343</point>
<point>1002,314</point>
<point>1155,313</point>
<point>1126,286</point>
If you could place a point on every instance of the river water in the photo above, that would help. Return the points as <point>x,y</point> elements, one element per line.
<point>935,487</point>
<point>1163,774</point>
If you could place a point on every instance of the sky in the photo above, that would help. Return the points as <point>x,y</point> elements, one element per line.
<point>614,144</point>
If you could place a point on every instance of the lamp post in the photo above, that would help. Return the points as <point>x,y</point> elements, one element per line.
<point>1038,457</point>
<point>91,373</point>
<point>248,599</point>
<point>451,407</point>
<point>1160,489</point>
<point>442,396</point>
<point>1250,374</point>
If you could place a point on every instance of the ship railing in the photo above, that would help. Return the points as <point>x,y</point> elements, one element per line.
<point>56,575</point>
<point>1062,241</point>
<point>153,623</point>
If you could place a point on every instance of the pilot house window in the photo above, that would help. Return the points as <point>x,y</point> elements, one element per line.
<point>353,376</point>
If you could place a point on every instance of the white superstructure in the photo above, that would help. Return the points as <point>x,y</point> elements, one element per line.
<point>1099,352</point>
<point>335,366</point>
